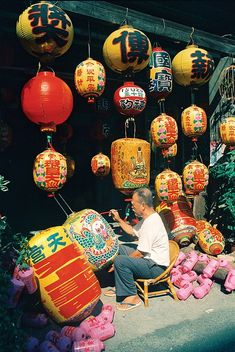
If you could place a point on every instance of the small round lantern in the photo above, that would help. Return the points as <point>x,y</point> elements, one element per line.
<point>164,131</point>
<point>89,79</point>
<point>127,49</point>
<point>169,152</point>
<point>211,241</point>
<point>47,101</point>
<point>5,135</point>
<point>50,170</point>
<point>100,165</point>
<point>130,164</point>
<point>45,30</point>
<point>193,122</point>
<point>195,177</point>
<point>168,186</point>
<point>130,99</point>
<point>192,66</point>
<point>227,131</point>
<point>160,74</point>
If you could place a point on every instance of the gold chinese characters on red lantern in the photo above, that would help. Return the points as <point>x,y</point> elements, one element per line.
<point>227,131</point>
<point>50,170</point>
<point>168,186</point>
<point>100,165</point>
<point>195,177</point>
<point>193,122</point>
<point>164,131</point>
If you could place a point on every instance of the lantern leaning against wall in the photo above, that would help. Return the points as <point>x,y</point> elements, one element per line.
<point>168,186</point>
<point>130,99</point>
<point>130,164</point>
<point>47,100</point>
<point>192,66</point>
<point>127,49</point>
<point>195,177</point>
<point>164,131</point>
<point>227,131</point>
<point>100,165</point>
<point>211,240</point>
<point>50,170</point>
<point>45,30</point>
<point>193,122</point>
<point>89,79</point>
<point>160,74</point>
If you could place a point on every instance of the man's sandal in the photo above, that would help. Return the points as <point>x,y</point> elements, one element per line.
<point>110,293</point>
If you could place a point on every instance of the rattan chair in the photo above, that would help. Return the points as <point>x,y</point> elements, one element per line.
<point>164,278</point>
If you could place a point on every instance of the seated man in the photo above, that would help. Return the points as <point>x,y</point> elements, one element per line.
<point>150,258</point>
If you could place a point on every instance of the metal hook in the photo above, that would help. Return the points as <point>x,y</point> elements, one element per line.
<point>191,36</point>
<point>125,21</point>
<point>164,25</point>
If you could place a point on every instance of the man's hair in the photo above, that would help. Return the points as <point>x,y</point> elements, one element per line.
<point>145,196</point>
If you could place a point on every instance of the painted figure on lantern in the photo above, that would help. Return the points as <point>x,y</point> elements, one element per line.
<point>138,170</point>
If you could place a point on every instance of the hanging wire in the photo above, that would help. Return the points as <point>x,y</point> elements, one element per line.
<point>60,206</point>
<point>89,40</point>
<point>65,203</point>
<point>164,25</point>
<point>49,141</point>
<point>191,41</point>
<point>125,21</point>
<point>130,119</point>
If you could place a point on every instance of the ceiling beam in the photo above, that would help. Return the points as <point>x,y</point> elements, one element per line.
<point>105,11</point>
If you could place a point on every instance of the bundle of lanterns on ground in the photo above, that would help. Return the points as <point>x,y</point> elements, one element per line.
<point>63,255</point>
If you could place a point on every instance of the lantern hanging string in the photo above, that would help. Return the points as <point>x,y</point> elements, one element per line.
<point>89,40</point>
<point>161,103</point>
<point>65,203</point>
<point>191,41</point>
<point>60,205</point>
<point>49,142</point>
<point>130,119</point>
<point>125,21</point>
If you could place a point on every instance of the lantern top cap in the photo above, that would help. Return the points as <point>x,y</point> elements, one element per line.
<point>192,46</point>
<point>126,26</point>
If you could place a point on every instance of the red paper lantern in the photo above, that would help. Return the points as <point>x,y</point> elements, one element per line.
<point>47,100</point>
<point>164,131</point>
<point>130,99</point>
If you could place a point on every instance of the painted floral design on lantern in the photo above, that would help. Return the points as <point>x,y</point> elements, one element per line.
<point>168,186</point>
<point>170,152</point>
<point>195,177</point>
<point>164,131</point>
<point>193,122</point>
<point>211,241</point>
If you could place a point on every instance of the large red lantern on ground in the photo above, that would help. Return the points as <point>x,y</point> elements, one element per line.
<point>47,101</point>
<point>164,131</point>
<point>130,99</point>
<point>195,177</point>
<point>193,122</point>
<point>227,131</point>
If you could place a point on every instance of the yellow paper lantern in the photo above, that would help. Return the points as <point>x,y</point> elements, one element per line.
<point>192,66</point>
<point>89,79</point>
<point>69,290</point>
<point>130,164</point>
<point>164,131</point>
<point>100,165</point>
<point>91,231</point>
<point>193,122</point>
<point>195,177</point>
<point>168,186</point>
<point>50,170</point>
<point>227,131</point>
<point>127,49</point>
<point>211,241</point>
<point>44,29</point>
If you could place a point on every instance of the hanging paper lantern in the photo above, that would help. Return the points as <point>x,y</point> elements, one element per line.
<point>160,74</point>
<point>100,165</point>
<point>45,30</point>
<point>178,217</point>
<point>168,185</point>
<point>47,101</point>
<point>94,234</point>
<point>227,131</point>
<point>68,288</point>
<point>89,79</point>
<point>130,164</point>
<point>50,170</point>
<point>169,152</point>
<point>211,241</point>
<point>5,135</point>
<point>130,99</point>
<point>164,131</point>
<point>127,49</point>
<point>193,122</point>
<point>70,165</point>
<point>195,177</point>
<point>192,66</point>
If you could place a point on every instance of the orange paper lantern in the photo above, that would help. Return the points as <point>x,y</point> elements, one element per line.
<point>211,241</point>
<point>164,131</point>
<point>227,131</point>
<point>193,122</point>
<point>168,185</point>
<point>100,165</point>
<point>195,177</point>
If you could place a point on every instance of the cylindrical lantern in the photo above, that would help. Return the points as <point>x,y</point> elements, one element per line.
<point>211,241</point>
<point>47,100</point>
<point>45,30</point>
<point>193,122</point>
<point>94,234</point>
<point>130,99</point>
<point>5,135</point>
<point>192,66</point>
<point>227,131</point>
<point>100,165</point>
<point>168,186</point>
<point>169,152</point>
<point>69,289</point>
<point>50,170</point>
<point>160,74</point>
<point>130,164</point>
<point>127,49</point>
<point>164,131</point>
<point>195,177</point>
<point>89,79</point>
<point>178,217</point>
